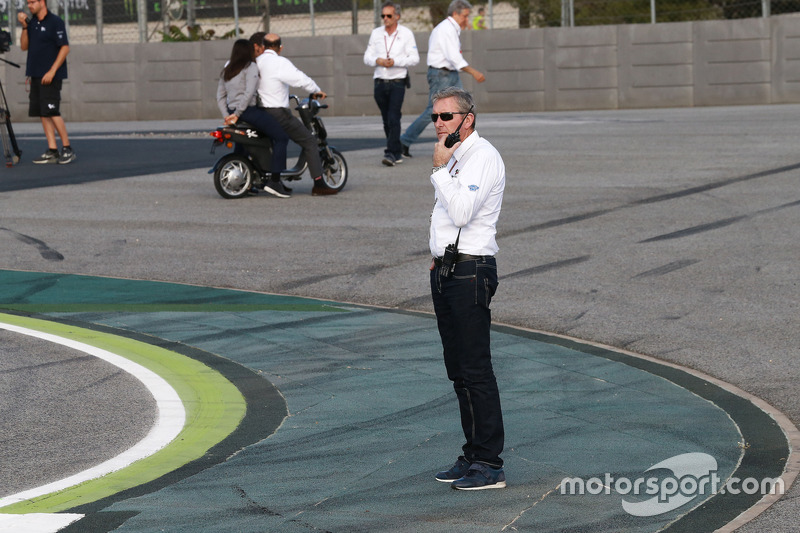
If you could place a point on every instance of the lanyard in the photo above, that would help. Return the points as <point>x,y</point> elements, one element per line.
<point>389,48</point>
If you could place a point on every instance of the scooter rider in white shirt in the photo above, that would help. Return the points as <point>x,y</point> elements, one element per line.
<point>277,74</point>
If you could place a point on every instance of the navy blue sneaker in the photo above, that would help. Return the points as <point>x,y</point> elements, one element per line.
<point>457,471</point>
<point>479,477</point>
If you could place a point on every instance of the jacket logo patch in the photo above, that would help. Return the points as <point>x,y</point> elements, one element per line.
<point>473,188</point>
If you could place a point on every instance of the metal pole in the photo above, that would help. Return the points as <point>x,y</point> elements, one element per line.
<point>766,8</point>
<point>191,18</point>
<point>652,11</point>
<point>66,15</point>
<point>311,11</point>
<point>236,16</point>
<point>98,20</point>
<point>377,13</point>
<point>567,13</point>
<point>12,22</point>
<point>141,15</point>
<point>491,15</point>
<point>266,17</point>
<point>355,17</point>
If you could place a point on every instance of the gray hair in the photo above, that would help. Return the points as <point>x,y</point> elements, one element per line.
<point>396,7</point>
<point>464,101</point>
<point>457,6</point>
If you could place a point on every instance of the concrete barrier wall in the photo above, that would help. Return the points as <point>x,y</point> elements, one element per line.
<point>750,61</point>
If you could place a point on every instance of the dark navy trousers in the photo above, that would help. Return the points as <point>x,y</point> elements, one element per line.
<point>461,303</point>
<point>389,95</point>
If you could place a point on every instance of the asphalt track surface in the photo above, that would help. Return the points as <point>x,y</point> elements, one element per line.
<point>669,233</point>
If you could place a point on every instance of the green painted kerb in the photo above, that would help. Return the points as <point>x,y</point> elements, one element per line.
<point>214,408</point>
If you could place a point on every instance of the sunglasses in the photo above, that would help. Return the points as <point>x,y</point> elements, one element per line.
<point>386,16</point>
<point>446,117</point>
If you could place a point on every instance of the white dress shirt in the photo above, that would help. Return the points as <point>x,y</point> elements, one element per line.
<point>444,46</point>
<point>277,75</point>
<point>400,46</point>
<point>469,194</point>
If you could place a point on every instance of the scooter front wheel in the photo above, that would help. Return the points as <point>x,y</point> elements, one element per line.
<point>233,176</point>
<point>334,169</point>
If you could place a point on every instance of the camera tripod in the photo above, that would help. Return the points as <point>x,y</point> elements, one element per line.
<point>11,150</point>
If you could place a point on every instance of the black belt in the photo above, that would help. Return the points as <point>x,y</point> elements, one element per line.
<point>443,68</point>
<point>460,258</point>
<point>381,80</point>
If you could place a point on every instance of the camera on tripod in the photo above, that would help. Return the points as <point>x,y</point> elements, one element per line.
<point>5,41</point>
<point>11,150</point>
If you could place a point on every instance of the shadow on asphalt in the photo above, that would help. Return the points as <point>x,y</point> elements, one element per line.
<point>105,159</point>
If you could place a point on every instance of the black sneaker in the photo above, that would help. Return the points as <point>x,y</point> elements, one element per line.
<point>276,188</point>
<point>388,160</point>
<point>406,153</point>
<point>479,477</point>
<point>50,157</point>
<point>457,471</point>
<point>67,156</point>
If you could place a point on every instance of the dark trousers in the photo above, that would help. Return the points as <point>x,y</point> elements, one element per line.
<point>297,132</point>
<point>461,303</point>
<point>389,95</point>
<point>265,123</point>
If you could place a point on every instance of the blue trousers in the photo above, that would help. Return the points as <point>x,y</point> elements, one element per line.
<point>461,303</point>
<point>438,79</point>
<point>266,124</point>
<point>389,95</point>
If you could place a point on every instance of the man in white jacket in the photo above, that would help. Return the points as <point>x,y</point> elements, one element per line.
<point>391,50</point>
<point>277,74</point>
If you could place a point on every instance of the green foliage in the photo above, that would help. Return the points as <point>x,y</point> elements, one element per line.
<point>539,13</point>
<point>194,33</point>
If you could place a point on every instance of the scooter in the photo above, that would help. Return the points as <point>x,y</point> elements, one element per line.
<point>247,170</point>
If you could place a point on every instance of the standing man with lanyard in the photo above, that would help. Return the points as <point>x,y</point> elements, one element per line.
<point>277,74</point>
<point>468,179</point>
<point>444,63</point>
<point>391,50</point>
<point>45,37</point>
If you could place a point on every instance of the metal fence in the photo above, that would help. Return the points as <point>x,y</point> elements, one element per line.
<point>126,21</point>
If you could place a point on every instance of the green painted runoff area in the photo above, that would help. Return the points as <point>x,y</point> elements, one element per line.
<point>372,417</point>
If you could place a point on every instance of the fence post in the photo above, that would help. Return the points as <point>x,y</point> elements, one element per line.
<point>66,15</point>
<point>12,22</point>
<point>141,15</point>
<point>98,20</point>
<point>191,15</point>
<point>567,13</point>
<point>311,12</point>
<point>265,18</point>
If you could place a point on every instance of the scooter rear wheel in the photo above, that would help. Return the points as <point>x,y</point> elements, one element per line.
<point>233,176</point>
<point>334,170</point>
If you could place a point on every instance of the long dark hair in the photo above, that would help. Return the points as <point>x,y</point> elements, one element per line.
<point>241,56</point>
